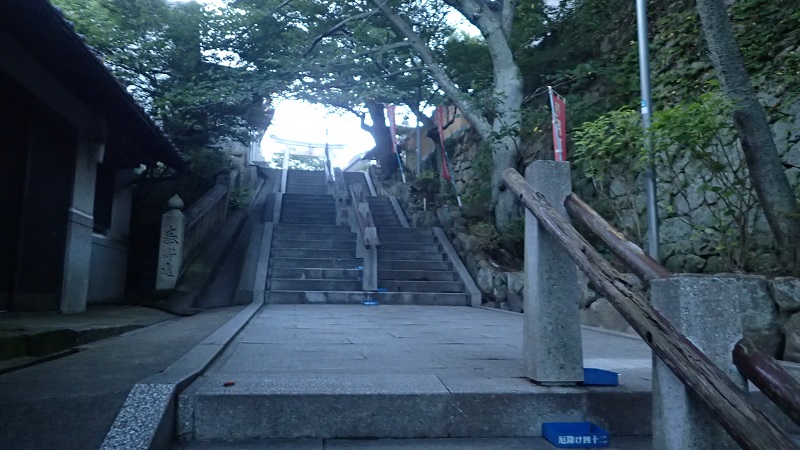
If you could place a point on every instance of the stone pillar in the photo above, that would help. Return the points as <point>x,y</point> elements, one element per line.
<point>706,310</point>
<point>369,280</point>
<point>552,346</point>
<point>80,223</point>
<point>170,245</point>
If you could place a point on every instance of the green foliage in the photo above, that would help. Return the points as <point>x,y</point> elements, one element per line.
<point>239,198</point>
<point>702,132</point>
<point>160,51</point>
<point>488,238</point>
<point>477,198</point>
<point>768,32</point>
<point>690,138</point>
<point>298,162</point>
<point>512,238</point>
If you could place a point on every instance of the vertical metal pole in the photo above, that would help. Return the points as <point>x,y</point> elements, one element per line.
<point>647,109</point>
<point>419,154</point>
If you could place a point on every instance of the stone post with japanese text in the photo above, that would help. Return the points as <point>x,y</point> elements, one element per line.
<point>170,245</point>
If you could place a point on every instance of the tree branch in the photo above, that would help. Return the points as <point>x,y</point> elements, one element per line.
<point>402,71</point>
<point>383,48</point>
<point>338,27</point>
<point>482,126</point>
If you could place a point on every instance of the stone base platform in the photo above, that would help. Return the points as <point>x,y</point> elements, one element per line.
<point>354,371</point>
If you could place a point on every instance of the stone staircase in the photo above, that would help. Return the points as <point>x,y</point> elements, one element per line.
<point>313,260</point>
<point>327,371</point>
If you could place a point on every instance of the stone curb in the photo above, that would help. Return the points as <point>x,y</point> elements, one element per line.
<point>46,345</point>
<point>147,418</point>
<point>463,273</point>
<point>399,211</point>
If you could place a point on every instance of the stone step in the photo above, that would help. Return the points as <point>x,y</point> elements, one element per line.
<point>405,231</point>
<point>410,246</point>
<point>304,211</point>
<point>314,253</point>
<point>309,208</point>
<point>416,275</point>
<point>306,191</point>
<point>316,229</point>
<point>421,286</point>
<point>312,221</point>
<point>315,274</point>
<point>288,196</point>
<point>315,263</point>
<point>306,183</point>
<point>414,265</point>
<point>314,244</point>
<point>409,255</point>
<point>358,296</point>
<point>382,213</point>
<point>383,222</point>
<point>298,216</point>
<point>344,236</point>
<point>400,238</point>
<point>284,284</point>
<point>381,206</point>
<point>390,405</point>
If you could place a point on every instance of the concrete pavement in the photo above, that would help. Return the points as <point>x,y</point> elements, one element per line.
<point>335,371</point>
<point>70,403</point>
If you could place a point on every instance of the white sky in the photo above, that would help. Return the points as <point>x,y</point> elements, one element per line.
<point>305,122</point>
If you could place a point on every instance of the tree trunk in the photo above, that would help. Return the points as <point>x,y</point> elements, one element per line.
<point>382,152</point>
<point>766,171</point>
<point>508,97</point>
<point>503,132</point>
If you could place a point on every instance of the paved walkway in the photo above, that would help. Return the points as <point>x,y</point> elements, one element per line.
<point>445,341</point>
<point>304,370</point>
<point>70,403</point>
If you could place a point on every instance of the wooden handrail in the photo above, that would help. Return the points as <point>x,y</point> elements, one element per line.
<point>722,397</point>
<point>630,253</point>
<point>769,376</point>
<point>764,371</point>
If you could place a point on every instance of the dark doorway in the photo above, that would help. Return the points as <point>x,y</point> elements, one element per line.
<point>14,136</point>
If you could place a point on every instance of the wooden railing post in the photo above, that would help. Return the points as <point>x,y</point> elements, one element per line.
<point>170,245</point>
<point>552,346</point>
<point>705,310</point>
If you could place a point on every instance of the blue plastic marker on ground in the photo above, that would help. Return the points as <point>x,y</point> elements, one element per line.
<point>370,302</point>
<point>383,290</point>
<point>600,377</point>
<point>575,434</point>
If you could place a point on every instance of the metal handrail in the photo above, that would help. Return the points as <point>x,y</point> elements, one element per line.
<point>709,383</point>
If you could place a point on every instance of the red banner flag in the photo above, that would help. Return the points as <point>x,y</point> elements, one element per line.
<point>441,113</point>
<point>392,126</point>
<point>558,107</point>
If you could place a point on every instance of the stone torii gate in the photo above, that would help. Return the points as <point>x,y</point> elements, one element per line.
<point>301,148</point>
